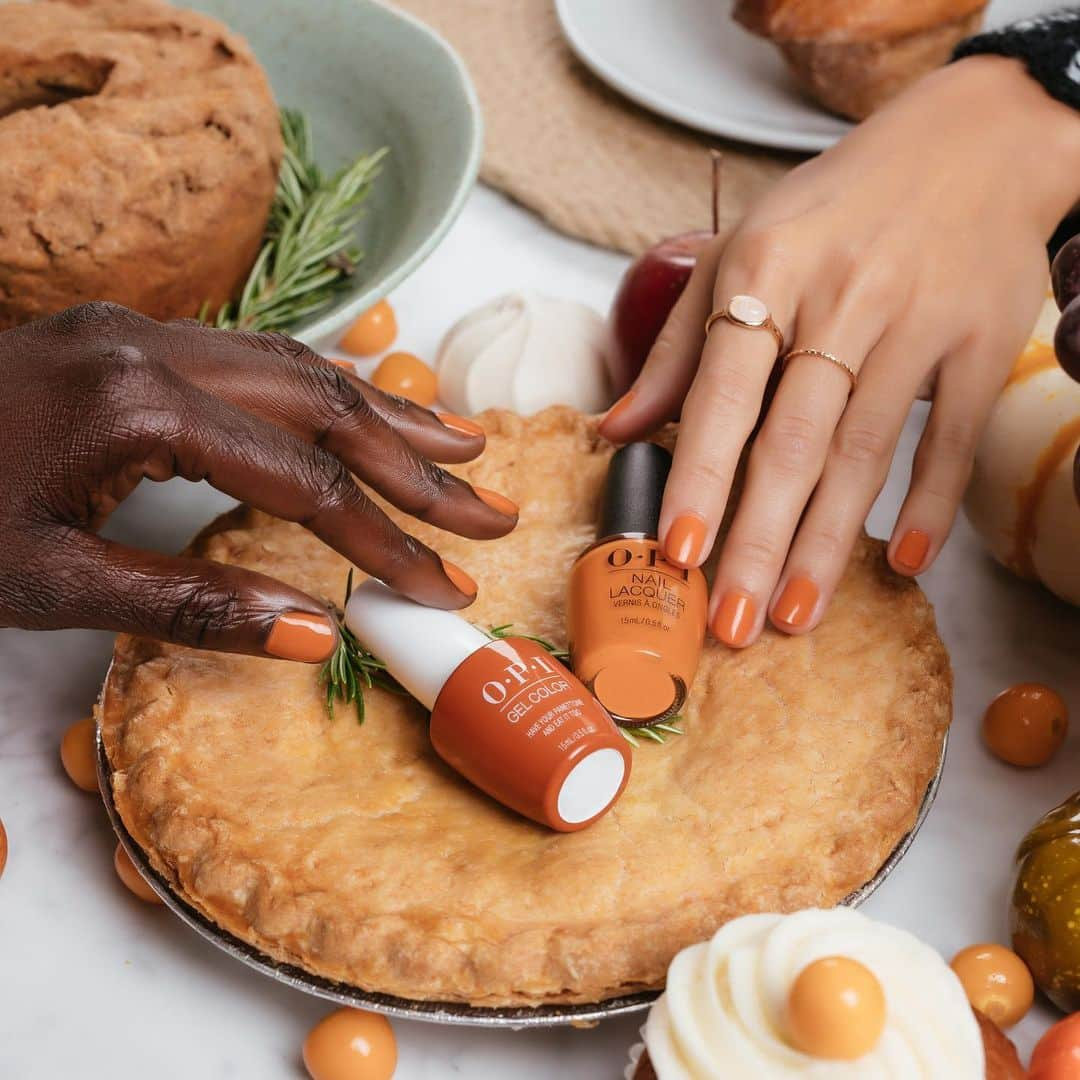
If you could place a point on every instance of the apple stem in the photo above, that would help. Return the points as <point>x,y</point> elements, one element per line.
<point>717,161</point>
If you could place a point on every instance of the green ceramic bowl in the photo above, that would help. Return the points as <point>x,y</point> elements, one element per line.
<point>368,76</point>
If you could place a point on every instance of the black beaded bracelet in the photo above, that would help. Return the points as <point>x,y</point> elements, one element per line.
<point>1048,44</point>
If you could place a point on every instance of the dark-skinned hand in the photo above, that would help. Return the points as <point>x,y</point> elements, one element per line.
<point>97,398</point>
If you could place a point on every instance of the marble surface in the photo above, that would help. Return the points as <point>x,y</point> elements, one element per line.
<point>97,985</point>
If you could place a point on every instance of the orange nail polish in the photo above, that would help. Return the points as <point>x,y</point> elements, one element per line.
<point>459,424</point>
<point>298,635</point>
<point>461,581</point>
<point>684,544</point>
<point>618,408</point>
<point>734,618</point>
<point>796,605</point>
<point>911,551</point>
<point>504,713</point>
<point>636,620</point>
<point>496,501</point>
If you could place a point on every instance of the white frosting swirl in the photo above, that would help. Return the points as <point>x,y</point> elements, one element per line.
<point>723,1014</point>
<point>525,351</point>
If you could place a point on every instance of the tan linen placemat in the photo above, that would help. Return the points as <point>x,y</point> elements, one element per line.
<point>559,141</point>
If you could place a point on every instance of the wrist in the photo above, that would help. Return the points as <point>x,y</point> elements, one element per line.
<point>1039,135</point>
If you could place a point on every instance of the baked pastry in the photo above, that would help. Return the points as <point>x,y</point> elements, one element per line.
<point>139,152</point>
<point>354,852</point>
<point>853,55</point>
<point>725,1010</point>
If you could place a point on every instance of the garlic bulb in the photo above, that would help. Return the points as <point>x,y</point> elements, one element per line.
<point>1021,498</point>
<point>524,351</point>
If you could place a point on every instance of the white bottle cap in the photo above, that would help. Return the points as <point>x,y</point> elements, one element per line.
<point>421,646</point>
<point>591,785</point>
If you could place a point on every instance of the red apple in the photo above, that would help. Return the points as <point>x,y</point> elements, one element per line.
<point>645,297</point>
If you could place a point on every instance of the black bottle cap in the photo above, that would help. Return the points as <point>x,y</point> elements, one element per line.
<point>634,490</point>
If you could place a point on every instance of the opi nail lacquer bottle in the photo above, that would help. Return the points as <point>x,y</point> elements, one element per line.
<point>504,713</point>
<point>636,621</point>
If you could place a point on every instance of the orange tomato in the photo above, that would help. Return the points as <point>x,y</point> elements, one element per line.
<point>407,376</point>
<point>1026,724</point>
<point>129,874</point>
<point>996,981</point>
<point>351,1044</point>
<point>836,1009</point>
<point>1057,1053</point>
<point>372,333</point>
<point>78,754</point>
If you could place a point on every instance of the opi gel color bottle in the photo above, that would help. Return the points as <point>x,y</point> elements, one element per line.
<point>504,713</point>
<point>636,621</point>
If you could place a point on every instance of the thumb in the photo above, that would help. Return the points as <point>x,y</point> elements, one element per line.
<point>193,602</point>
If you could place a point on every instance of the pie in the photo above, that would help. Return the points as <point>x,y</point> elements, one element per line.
<point>352,851</point>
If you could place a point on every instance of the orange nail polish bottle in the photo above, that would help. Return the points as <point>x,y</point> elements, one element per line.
<point>504,713</point>
<point>637,622</point>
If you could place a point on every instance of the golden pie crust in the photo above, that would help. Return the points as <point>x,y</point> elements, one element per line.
<point>353,852</point>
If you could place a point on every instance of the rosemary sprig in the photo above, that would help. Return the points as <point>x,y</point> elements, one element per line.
<point>507,630</point>
<point>352,669</point>
<point>308,252</point>
<point>657,733</point>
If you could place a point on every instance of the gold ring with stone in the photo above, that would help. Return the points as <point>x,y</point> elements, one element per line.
<point>851,373</point>
<point>749,312</point>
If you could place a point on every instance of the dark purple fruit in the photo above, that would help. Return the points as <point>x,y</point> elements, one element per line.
<point>1067,339</point>
<point>1065,273</point>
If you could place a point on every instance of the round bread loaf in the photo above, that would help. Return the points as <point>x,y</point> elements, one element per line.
<point>139,151</point>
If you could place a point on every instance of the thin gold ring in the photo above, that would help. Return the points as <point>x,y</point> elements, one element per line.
<point>853,376</point>
<point>750,313</point>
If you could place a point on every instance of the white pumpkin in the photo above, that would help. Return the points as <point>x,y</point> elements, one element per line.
<point>1021,498</point>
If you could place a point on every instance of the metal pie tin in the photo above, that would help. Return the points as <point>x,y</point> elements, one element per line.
<point>436,1012</point>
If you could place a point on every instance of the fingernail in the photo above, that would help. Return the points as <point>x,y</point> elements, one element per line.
<point>618,408</point>
<point>348,365</point>
<point>796,604</point>
<point>684,544</point>
<point>298,635</point>
<point>459,424</point>
<point>734,618</point>
<point>496,501</point>
<point>461,581</point>
<point>911,551</point>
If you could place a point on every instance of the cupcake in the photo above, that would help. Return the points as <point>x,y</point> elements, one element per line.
<point>821,994</point>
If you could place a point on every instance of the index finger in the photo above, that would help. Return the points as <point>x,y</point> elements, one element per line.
<point>718,417</point>
<point>441,437</point>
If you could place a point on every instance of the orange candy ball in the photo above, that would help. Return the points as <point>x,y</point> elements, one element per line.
<point>836,1009</point>
<point>372,333</point>
<point>1026,724</point>
<point>78,755</point>
<point>996,981</point>
<point>407,376</point>
<point>1057,1053</point>
<point>130,876</point>
<point>351,1044</point>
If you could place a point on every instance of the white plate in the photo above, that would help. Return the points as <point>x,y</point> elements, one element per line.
<point>689,61</point>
